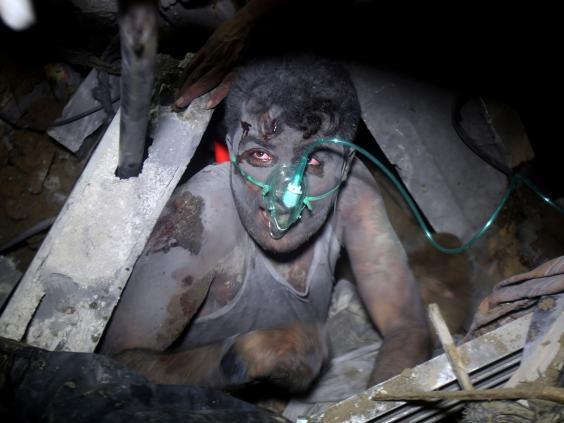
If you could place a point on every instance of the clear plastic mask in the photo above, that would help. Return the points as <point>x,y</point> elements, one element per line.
<point>285,194</point>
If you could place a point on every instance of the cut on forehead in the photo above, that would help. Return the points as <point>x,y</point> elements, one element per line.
<point>303,92</point>
<point>264,124</point>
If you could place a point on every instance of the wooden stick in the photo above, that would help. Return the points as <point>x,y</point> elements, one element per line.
<point>450,348</point>
<point>547,393</point>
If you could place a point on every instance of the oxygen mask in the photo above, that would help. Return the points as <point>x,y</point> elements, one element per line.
<point>285,194</point>
<point>285,198</point>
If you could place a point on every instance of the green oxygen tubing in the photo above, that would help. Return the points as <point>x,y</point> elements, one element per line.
<point>516,178</point>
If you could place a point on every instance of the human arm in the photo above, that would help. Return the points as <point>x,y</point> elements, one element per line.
<point>516,295</point>
<point>290,357</point>
<point>212,67</point>
<point>172,275</point>
<point>385,282</point>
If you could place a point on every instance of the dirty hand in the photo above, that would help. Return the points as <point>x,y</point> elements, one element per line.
<point>290,357</point>
<point>213,65</point>
<point>516,294</point>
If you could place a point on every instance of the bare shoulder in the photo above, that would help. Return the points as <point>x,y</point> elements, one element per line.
<point>197,231</point>
<point>211,182</point>
<point>362,212</point>
<point>360,190</point>
<point>200,216</point>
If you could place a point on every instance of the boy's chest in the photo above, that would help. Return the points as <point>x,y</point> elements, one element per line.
<point>230,276</point>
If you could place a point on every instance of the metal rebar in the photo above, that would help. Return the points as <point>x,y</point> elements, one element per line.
<point>138,36</point>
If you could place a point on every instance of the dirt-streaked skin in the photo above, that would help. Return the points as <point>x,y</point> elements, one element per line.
<point>174,276</point>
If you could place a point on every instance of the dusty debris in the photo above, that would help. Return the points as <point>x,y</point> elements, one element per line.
<point>36,175</point>
<point>32,154</point>
<point>546,393</point>
<point>4,149</point>
<point>445,280</point>
<point>15,210</point>
<point>9,277</point>
<point>541,411</point>
<point>12,182</point>
<point>546,303</point>
<point>503,248</point>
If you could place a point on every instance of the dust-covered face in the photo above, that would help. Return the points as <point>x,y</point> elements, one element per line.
<point>261,145</point>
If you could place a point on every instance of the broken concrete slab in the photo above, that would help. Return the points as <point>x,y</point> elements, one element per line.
<point>73,134</point>
<point>70,289</point>
<point>411,122</point>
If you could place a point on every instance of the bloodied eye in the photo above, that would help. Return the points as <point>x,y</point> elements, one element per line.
<point>313,162</point>
<point>315,166</point>
<point>257,157</point>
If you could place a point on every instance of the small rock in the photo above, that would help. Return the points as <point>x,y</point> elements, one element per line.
<point>32,154</point>
<point>52,183</point>
<point>546,303</point>
<point>9,277</point>
<point>12,182</point>
<point>70,385</point>
<point>4,150</point>
<point>15,209</point>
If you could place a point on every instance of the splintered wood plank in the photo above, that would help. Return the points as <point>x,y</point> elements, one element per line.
<point>544,358</point>
<point>67,295</point>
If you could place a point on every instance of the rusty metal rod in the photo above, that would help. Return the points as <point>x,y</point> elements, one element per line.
<point>138,36</point>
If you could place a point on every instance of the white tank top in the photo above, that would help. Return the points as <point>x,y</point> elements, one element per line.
<point>267,300</point>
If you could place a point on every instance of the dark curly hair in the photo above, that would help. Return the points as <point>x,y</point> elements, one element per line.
<point>309,89</point>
